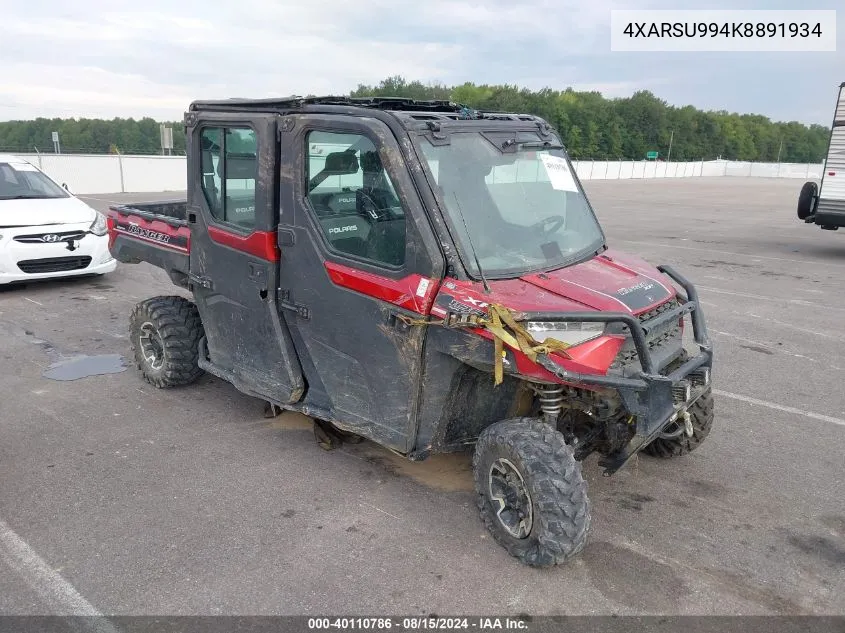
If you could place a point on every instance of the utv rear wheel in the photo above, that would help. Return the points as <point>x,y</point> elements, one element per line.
<point>531,494</point>
<point>165,333</point>
<point>701,417</point>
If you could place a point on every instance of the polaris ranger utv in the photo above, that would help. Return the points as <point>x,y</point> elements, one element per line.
<point>429,277</point>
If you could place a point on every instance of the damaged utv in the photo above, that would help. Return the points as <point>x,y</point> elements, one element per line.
<point>431,278</point>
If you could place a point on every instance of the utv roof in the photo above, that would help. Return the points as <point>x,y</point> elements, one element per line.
<point>409,111</point>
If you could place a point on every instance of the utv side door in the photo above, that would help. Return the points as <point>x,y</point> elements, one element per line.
<point>234,258</point>
<point>357,253</point>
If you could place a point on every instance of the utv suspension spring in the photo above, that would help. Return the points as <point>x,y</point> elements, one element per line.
<point>551,401</point>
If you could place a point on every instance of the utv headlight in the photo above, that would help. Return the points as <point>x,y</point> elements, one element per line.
<point>99,226</point>
<point>570,332</point>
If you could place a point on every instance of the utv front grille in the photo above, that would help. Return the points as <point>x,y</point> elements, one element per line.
<point>664,341</point>
<point>53,264</point>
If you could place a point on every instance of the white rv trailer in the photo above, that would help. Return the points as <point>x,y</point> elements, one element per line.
<point>825,205</point>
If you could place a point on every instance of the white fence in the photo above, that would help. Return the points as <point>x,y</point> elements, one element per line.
<point>113,173</point>
<point>97,174</point>
<point>619,170</point>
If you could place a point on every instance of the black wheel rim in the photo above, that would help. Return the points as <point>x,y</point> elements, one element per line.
<point>511,498</point>
<point>151,346</point>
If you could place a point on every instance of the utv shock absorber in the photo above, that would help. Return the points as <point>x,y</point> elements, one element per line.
<point>551,401</point>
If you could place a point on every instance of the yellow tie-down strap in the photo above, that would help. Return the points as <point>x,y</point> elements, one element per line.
<point>505,330</point>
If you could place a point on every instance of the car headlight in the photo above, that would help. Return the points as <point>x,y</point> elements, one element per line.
<point>570,332</point>
<point>99,226</point>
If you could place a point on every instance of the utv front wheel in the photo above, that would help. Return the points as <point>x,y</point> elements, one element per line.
<point>701,417</point>
<point>531,494</point>
<point>165,334</point>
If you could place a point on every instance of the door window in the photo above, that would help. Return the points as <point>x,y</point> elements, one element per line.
<point>353,198</point>
<point>229,164</point>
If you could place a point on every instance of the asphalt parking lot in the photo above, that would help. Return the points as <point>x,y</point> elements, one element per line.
<point>127,500</point>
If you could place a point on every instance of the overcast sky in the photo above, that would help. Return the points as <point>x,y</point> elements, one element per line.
<point>107,58</point>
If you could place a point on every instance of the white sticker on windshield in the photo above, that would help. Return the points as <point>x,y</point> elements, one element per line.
<point>24,167</point>
<point>559,172</point>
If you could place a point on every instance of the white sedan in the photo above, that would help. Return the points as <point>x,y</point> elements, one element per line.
<point>45,231</point>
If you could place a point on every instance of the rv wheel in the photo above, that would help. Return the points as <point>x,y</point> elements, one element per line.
<point>807,199</point>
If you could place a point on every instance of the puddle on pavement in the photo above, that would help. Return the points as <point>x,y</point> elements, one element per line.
<point>85,366</point>
<point>290,421</point>
<point>445,472</point>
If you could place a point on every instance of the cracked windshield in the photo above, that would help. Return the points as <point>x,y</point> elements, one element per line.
<point>517,206</point>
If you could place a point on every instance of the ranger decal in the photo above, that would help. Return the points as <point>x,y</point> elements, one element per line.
<point>642,294</point>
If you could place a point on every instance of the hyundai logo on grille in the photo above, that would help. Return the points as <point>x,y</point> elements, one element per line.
<point>51,237</point>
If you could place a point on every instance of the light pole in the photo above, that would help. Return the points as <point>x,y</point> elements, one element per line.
<point>669,154</point>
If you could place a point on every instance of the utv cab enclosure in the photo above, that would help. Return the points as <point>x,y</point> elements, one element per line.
<point>431,278</point>
<point>825,205</point>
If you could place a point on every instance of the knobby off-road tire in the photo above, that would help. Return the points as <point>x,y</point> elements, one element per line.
<point>165,333</point>
<point>543,466</point>
<point>701,416</point>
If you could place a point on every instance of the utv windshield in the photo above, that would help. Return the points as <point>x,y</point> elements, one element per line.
<point>512,201</point>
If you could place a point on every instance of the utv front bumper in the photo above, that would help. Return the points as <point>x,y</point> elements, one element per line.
<point>654,398</point>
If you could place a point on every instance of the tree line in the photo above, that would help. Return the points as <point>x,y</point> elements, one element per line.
<point>592,126</point>
<point>89,136</point>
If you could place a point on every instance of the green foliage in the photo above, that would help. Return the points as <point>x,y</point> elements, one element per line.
<point>626,128</point>
<point>95,136</point>
<point>591,126</point>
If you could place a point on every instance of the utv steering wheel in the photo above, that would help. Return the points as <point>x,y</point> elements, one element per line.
<point>369,208</point>
<point>556,221</point>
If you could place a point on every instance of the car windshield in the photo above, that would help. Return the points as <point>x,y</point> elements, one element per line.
<point>513,202</point>
<point>23,181</point>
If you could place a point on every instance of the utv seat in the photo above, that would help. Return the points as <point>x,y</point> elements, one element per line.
<point>386,242</point>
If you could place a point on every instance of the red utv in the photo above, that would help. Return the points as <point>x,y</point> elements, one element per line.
<point>431,278</point>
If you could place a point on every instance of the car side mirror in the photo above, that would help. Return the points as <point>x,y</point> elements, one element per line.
<point>65,187</point>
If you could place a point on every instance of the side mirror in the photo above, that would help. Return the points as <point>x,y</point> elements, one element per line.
<point>807,200</point>
<point>341,163</point>
<point>65,187</point>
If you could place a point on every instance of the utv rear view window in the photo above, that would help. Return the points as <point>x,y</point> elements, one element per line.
<point>229,164</point>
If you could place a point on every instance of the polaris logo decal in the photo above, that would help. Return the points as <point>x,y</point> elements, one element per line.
<point>343,229</point>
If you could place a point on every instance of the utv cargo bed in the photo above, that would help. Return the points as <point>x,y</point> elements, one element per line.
<point>155,232</point>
